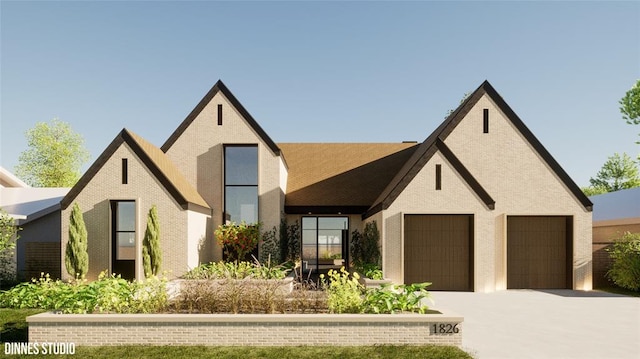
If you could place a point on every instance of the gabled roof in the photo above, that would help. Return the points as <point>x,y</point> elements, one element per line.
<point>156,161</point>
<point>220,87</point>
<point>435,141</point>
<point>340,177</point>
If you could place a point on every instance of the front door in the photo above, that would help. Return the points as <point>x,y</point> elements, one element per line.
<point>123,239</point>
<point>322,242</point>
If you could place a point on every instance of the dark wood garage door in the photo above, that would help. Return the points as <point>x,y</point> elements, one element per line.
<point>539,252</point>
<point>439,249</point>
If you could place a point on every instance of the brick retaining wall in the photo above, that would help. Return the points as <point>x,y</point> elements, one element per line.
<point>245,329</point>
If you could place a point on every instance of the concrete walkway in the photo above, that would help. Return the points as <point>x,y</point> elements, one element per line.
<point>546,324</point>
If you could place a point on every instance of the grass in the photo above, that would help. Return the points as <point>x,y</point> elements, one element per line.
<point>196,352</point>
<point>14,329</point>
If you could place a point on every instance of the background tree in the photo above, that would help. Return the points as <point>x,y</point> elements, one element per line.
<point>619,172</point>
<point>151,254</point>
<point>8,236</point>
<point>630,105</point>
<point>54,156</point>
<point>76,258</point>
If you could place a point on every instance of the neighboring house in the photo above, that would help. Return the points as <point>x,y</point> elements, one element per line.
<point>614,214</point>
<point>480,205</point>
<point>37,212</point>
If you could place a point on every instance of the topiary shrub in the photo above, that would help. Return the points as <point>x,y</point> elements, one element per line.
<point>151,253</point>
<point>625,270</point>
<point>76,259</point>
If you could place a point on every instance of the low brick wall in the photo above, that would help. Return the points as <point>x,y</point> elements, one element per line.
<point>246,329</point>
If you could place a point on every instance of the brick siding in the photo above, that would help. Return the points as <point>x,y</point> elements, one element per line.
<point>243,330</point>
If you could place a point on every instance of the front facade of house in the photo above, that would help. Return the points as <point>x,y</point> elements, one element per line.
<point>480,205</point>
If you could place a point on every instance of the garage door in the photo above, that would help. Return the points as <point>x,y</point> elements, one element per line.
<point>539,252</point>
<point>439,249</point>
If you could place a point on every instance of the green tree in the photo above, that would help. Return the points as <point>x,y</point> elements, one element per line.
<point>630,105</point>
<point>54,156</point>
<point>151,254</point>
<point>625,270</point>
<point>76,258</point>
<point>619,172</point>
<point>8,236</point>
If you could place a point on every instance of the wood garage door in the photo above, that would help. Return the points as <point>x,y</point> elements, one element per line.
<point>539,252</point>
<point>439,249</point>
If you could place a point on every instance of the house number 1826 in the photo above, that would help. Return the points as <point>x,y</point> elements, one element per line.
<point>442,328</point>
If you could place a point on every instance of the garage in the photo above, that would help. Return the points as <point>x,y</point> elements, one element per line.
<point>539,252</point>
<point>439,249</point>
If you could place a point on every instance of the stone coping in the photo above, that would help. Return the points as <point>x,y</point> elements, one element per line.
<point>432,316</point>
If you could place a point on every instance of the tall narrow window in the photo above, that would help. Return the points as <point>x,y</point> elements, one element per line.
<point>219,115</point>
<point>125,171</point>
<point>438,177</point>
<point>241,183</point>
<point>485,120</point>
<point>124,229</point>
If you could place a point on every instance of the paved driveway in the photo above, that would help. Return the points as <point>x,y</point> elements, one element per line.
<point>546,324</point>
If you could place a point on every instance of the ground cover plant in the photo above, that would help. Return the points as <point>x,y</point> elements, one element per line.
<point>108,294</point>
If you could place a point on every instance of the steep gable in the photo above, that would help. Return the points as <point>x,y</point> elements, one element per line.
<point>220,87</point>
<point>438,137</point>
<point>157,163</point>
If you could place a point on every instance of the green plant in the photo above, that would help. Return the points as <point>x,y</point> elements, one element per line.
<point>365,247</point>
<point>344,292</point>
<point>239,270</point>
<point>76,259</point>
<point>371,271</point>
<point>625,270</point>
<point>151,253</point>
<point>269,251</point>
<point>8,237</point>
<point>393,299</point>
<point>289,241</point>
<point>238,239</point>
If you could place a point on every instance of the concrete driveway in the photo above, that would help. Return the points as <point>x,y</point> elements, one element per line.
<point>546,324</point>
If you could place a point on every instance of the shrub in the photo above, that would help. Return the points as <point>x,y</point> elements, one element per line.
<point>344,292</point>
<point>393,299</point>
<point>76,259</point>
<point>289,241</point>
<point>365,247</point>
<point>269,250</point>
<point>625,270</point>
<point>238,239</point>
<point>233,270</point>
<point>371,271</point>
<point>8,237</point>
<point>107,294</point>
<point>151,254</point>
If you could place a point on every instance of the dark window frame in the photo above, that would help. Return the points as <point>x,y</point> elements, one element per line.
<point>225,214</point>
<point>125,171</point>
<point>438,177</point>
<point>317,230</point>
<point>220,115</point>
<point>485,120</point>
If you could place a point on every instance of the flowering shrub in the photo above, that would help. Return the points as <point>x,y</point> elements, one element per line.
<point>344,292</point>
<point>238,239</point>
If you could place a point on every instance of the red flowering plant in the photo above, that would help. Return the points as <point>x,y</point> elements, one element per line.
<point>238,239</point>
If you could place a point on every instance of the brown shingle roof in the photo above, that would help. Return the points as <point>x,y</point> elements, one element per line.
<point>156,161</point>
<point>341,174</point>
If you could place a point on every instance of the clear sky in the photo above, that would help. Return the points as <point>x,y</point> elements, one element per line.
<point>322,71</point>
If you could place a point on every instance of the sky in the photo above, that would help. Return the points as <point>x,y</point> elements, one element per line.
<point>321,71</point>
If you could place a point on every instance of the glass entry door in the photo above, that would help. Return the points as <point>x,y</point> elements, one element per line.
<point>322,242</point>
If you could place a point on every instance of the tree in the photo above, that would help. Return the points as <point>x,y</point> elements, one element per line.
<point>619,172</point>
<point>151,254</point>
<point>76,258</point>
<point>630,105</point>
<point>54,156</point>
<point>8,237</point>
<point>625,253</point>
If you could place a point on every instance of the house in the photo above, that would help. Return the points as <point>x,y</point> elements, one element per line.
<point>614,214</point>
<point>480,205</point>
<point>37,213</point>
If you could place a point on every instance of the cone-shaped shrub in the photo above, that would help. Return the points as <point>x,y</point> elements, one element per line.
<point>151,254</point>
<point>76,258</point>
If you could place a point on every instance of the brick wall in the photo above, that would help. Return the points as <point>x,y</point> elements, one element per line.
<point>246,329</point>
<point>42,257</point>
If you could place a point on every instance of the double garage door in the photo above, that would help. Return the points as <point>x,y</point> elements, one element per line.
<point>439,249</point>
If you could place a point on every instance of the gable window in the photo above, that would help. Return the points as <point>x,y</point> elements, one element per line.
<point>485,120</point>
<point>219,115</point>
<point>125,171</point>
<point>241,183</point>
<point>438,177</point>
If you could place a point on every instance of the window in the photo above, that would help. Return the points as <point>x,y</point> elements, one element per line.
<point>241,184</point>
<point>219,115</point>
<point>485,120</point>
<point>322,240</point>
<point>123,214</point>
<point>125,171</point>
<point>438,177</point>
